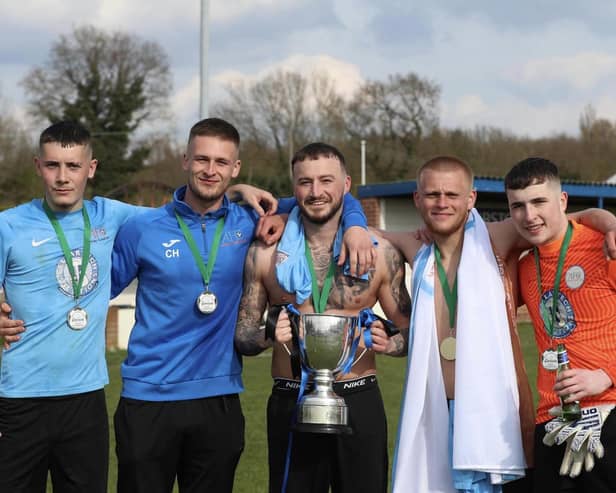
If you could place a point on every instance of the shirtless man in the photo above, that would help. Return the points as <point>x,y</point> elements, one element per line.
<point>445,200</point>
<point>318,461</point>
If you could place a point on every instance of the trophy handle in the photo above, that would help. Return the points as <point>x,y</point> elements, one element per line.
<point>367,317</point>
<point>298,352</point>
<point>273,312</point>
<point>362,324</point>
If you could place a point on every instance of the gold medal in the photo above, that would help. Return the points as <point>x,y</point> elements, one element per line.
<point>448,348</point>
<point>448,345</point>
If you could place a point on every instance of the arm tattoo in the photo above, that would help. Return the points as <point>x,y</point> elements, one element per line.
<point>396,271</point>
<point>249,334</point>
<point>400,343</point>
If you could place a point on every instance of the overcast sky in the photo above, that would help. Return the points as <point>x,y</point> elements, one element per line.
<point>529,66</point>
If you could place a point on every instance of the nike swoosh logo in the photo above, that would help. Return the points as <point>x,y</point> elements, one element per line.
<point>169,244</point>
<point>39,243</point>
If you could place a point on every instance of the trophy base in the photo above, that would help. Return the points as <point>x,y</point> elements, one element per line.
<point>323,428</point>
<point>322,412</point>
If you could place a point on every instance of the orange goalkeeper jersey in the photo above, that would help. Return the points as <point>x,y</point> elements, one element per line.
<point>586,311</point>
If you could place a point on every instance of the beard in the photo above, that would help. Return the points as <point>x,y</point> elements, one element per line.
<point>321,217</point>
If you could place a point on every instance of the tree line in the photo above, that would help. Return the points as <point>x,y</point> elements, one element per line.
<point>115,83</point>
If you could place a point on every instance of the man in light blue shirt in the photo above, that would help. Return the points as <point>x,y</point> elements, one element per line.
<point>55,270</point>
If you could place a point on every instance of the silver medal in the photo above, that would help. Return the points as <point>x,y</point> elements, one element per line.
<point>549,360</point>
<point>207,302</point>
<point>77,318</point>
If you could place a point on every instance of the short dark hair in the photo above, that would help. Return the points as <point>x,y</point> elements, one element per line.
<point>444,162</point>
<point>67,133</point>
<point>531,171</point>
<point>215,127</point>
<point>316,150</point>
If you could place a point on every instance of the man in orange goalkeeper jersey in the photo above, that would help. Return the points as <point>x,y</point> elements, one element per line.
<point>569,288</point>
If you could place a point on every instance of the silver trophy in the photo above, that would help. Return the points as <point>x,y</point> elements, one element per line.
<point>326,347</point>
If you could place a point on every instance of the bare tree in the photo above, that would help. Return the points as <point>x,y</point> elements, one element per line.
<point>598,139</point>
<point>393,116</point>
<point>327,109</point>
<point>272,112</point>
<point>110,81</point>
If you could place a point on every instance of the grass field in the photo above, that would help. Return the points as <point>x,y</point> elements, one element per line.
<point>251,476</point>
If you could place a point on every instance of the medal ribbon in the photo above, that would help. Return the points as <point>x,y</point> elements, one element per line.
<point>206,270</point>
<point>77,283</point>
<point>548,322</point>
<point>450,295</point>
<point>319,298</point>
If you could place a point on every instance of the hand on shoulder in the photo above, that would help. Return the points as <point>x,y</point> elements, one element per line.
<point>407,243</point>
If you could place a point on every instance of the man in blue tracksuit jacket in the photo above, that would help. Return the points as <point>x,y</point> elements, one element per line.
<point>179,413</point>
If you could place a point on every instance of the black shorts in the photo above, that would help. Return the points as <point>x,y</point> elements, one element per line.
<point>352,463</point>
<point>199,441</point>
<point>67,435</point>
<point>602,478</point>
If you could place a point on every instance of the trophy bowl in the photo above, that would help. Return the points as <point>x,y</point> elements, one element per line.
<point>325,348</point>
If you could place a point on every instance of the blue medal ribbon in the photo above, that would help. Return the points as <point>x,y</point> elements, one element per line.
<point>305,374</point>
